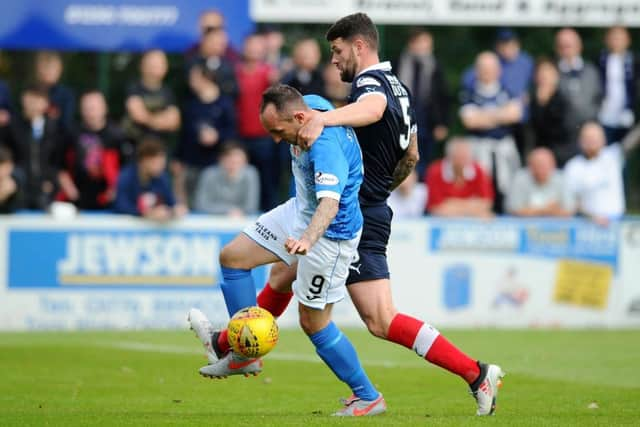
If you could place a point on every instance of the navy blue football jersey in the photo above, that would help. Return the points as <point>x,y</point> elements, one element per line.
<point>384,142</point>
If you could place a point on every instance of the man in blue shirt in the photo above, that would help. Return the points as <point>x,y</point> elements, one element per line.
<point>517,65</point>
<point>319,229</point>
<point>488,112</point>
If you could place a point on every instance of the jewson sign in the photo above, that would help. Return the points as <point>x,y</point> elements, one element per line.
<point>116,259</point>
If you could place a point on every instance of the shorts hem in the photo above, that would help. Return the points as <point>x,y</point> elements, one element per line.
<point>368,278</point>
<point>267,248</point>
<point>316,306</point>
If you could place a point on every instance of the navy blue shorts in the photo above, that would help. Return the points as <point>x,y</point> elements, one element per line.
<point>372,250</point>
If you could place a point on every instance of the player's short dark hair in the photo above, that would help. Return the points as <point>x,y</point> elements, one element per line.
<point>5,155</point>
<point>150,146</point>
<point>357,24</point>
<point>281,96</point>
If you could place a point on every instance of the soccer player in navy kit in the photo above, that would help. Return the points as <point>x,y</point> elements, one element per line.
<point>380,112</point>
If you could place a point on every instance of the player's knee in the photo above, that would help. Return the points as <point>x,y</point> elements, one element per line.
<point>376,327</point>
<point>311,323</point>
<point>378,324</point>
<point>230,258</point>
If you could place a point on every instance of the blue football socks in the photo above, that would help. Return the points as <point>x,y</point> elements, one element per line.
<point>238,289</point>
<point>338,353</point>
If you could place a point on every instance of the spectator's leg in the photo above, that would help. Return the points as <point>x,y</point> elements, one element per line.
<point>262,155</point>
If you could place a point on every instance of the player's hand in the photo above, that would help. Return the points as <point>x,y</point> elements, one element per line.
<point>297,247</point>
<point>310,131</point>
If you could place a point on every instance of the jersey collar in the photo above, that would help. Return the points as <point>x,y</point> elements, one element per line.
<point>382,66</point>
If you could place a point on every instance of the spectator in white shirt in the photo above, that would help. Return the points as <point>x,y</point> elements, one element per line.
<point>594,178</point>
<point>409,199</point>
<point>538,190</point>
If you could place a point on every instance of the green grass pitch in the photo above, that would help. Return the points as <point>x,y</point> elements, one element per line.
<point>150,379</point>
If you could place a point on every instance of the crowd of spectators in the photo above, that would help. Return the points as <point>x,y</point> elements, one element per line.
<point>571,121</point>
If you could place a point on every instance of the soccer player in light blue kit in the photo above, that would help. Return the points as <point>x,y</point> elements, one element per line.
<point>320,229</point>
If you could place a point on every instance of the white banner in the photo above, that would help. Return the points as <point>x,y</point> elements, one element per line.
<point>114,272</point>
<point>454,12</point>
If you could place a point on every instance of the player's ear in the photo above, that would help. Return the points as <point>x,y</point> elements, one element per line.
<point>358,46</point>
<point>299,116</point>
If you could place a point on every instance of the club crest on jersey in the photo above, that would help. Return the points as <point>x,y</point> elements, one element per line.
<point>326,179</point>
<point>367,81</point>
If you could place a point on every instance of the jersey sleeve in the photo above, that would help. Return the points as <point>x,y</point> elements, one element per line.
<point>330,167</point>
<point>367,85</point>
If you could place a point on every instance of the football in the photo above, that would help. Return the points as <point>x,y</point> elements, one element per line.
<point>253,332</point>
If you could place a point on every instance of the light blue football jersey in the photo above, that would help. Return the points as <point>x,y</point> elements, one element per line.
<point>331,168</point>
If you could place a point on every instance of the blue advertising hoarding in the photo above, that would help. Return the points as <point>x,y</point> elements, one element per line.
<point>117,259</point>
<point>569,239</point>
<point>114,25</point>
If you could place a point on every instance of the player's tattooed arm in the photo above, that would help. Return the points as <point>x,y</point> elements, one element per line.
<point>325,213</point>
<point>408,162</point>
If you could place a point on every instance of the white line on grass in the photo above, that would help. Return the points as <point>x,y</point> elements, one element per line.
<point>308,358</point>
<point>295,357</point>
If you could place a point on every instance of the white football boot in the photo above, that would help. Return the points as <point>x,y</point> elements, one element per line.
<point>204,331</point>
<point>232,364</point>
<point>356,407</point>
<point>486,391</point>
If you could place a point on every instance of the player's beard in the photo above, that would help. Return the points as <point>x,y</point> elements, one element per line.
<point>348,73</point>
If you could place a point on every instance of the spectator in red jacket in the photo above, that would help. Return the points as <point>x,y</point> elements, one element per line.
<point>457,185</point>
<point>92,156</point>
<point>254,77</point>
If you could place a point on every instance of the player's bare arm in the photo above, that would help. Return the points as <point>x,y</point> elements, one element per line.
<point>324,214</point>
<point>407,163</point>
<point>367,110</point>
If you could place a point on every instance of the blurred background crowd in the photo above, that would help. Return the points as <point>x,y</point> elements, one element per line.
<point>510,133</point>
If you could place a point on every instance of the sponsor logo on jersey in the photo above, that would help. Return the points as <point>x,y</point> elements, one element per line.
<point>367,81</point>
<point>326,179</point>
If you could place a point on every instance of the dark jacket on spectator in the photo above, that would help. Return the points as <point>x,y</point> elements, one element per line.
<point>62,105</point>
<point>133,197</point>
<point>220,70</point>
<point>93,160</point>
<point>631,77</point>
<point>219,114</point>
<point>40,157</point>
<point>548,127</point>
<point>307,83</point>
